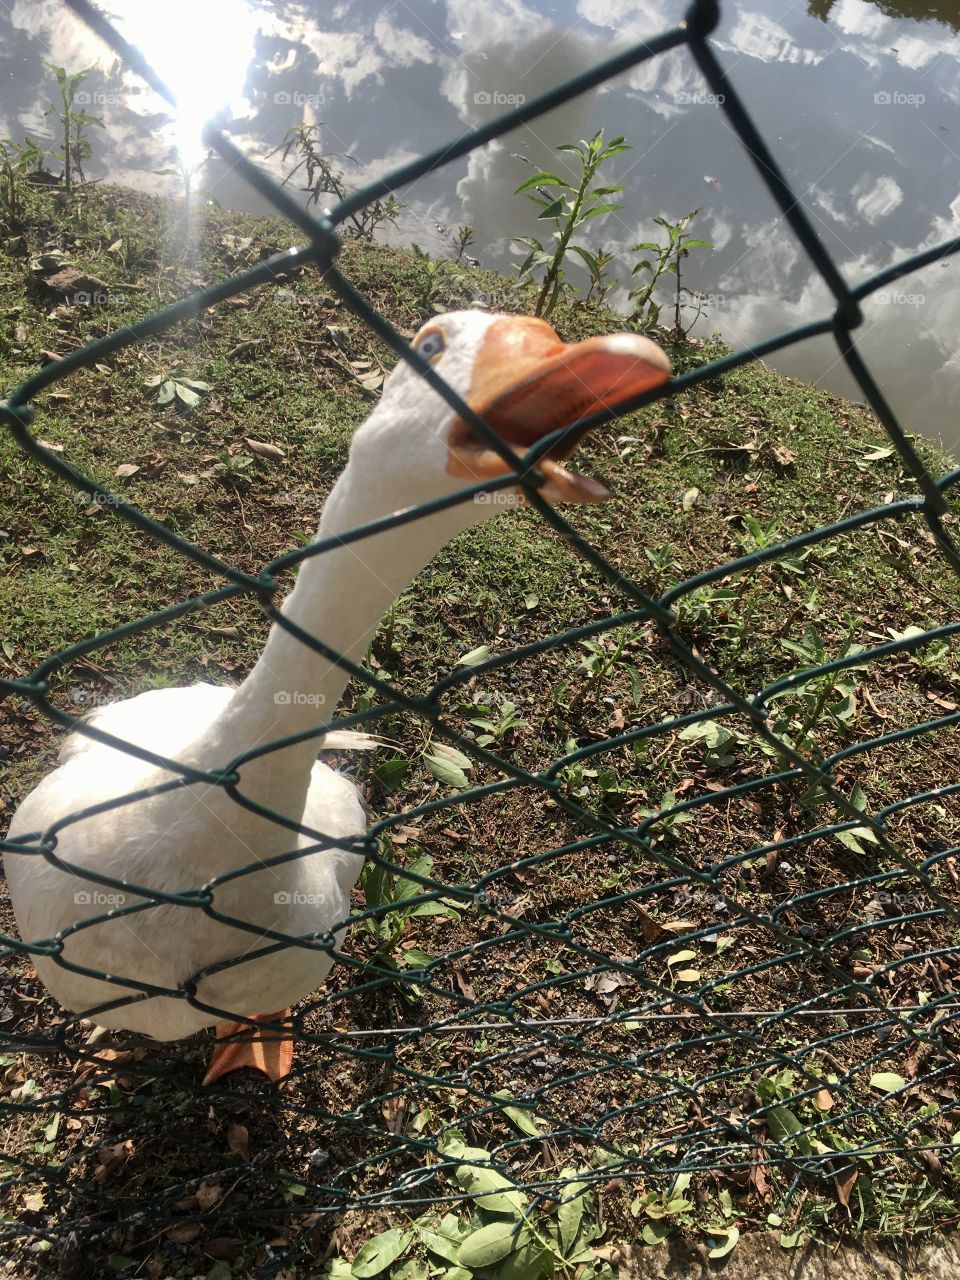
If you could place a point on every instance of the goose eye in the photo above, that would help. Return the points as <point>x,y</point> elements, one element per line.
<point>431,345</point>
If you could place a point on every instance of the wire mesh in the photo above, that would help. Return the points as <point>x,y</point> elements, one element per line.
<point>625,1066</point>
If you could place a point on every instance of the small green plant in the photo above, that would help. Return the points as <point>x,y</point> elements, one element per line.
<point>720,742</point>
<point>697,607</point>
<point>75,146</point>
<point>666,823</point>
<point>756,537</point>
<point>503,1234</point>
<point>175,387</point>
<point>600,282</point>
<point>932,656</point>
<point>463,240</point>
<point>667,260</point>
<point>497,722</point>
<point>826,698</point>
<point>437,271</point>
<point>394,897</point>
<point>583,780</point>
<point>16,161</point>
<point>568,207</point>
<point>324,178</point>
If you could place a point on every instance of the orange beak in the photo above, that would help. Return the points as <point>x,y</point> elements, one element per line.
<point>527,383</point>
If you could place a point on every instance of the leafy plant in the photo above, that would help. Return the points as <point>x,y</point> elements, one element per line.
<point>496,723</point>
<point>437,270</point>
<point>394,896</point>
<point>600,282</point>
<point>175,387</point>
<point>582,779</point>
<point>667,822</point>
<point>667,260</point>
<point>16,161</point>
<point>324,178</point>
<point>720,742</point>
<point>462,241</point>
<point>568,207</point>
<point>828,697</point>
<point>932,656</point>
<point>75,146</point>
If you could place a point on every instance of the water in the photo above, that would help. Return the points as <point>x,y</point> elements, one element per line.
<point>858,101</point>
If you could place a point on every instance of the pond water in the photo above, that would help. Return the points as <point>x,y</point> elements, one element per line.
<point>858,101</point>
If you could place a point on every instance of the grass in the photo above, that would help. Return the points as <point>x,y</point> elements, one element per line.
<point>128,1164</point>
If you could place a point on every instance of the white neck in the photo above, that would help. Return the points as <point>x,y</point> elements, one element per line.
<point>339,597</point>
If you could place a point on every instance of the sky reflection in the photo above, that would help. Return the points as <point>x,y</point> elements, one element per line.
<point>860,109</point>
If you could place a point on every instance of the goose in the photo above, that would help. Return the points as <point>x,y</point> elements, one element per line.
<point>173,969</point>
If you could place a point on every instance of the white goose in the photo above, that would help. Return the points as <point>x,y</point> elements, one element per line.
<point>517,373</point>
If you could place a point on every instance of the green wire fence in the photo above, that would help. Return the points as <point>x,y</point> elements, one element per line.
<point>633,1090</point>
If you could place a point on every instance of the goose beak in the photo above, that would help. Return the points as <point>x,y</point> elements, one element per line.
<point>527,383</point>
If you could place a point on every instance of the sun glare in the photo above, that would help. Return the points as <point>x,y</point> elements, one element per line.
<point>201,49</point>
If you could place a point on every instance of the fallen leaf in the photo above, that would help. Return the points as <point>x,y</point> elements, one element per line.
<point>783,456</point>
<point>845,1186</point>
<point>463,982</point>
<point>223,1248</point>
<point>208,1193</point>
<point>248,344</point>
<point>238,1140</point>
<point>112,1160</point>
<point>823,1099</point>
<point>183,1232</point>
<point>127,469</point>
<point>264,450</point>
<point>395,1112</point>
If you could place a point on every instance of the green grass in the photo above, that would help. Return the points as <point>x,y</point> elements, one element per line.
<point>755,446</point>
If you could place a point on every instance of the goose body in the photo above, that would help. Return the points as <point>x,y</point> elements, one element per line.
<point>177,968</point>
<point>167,945</point>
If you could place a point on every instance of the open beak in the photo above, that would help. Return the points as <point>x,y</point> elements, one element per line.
<point>527,383</point>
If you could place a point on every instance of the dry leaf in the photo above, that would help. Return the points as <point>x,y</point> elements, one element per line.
<point>463,982</point>
<point>127,469</point>
<point>264,450</point>
<point>34,1201</point>
<point>395,1112</point>
<point>238,1140</point>
<point>208,1193</point>
<point>49,444</point>
<point>783,456</point>
<point>757,1178</point>
<point>183,1232</point>
<point>651,929</point>
<point>845,1186</point>
<point>223,1248</point>
<point>823,1099</point>
<point>112,1160</point>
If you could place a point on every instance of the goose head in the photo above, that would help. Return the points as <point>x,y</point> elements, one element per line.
<point>523,381</point>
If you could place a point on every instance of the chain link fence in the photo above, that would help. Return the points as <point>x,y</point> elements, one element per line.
<point>613,1083</point>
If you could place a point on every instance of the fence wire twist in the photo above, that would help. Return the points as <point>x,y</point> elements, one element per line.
<point>729,1132</point>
